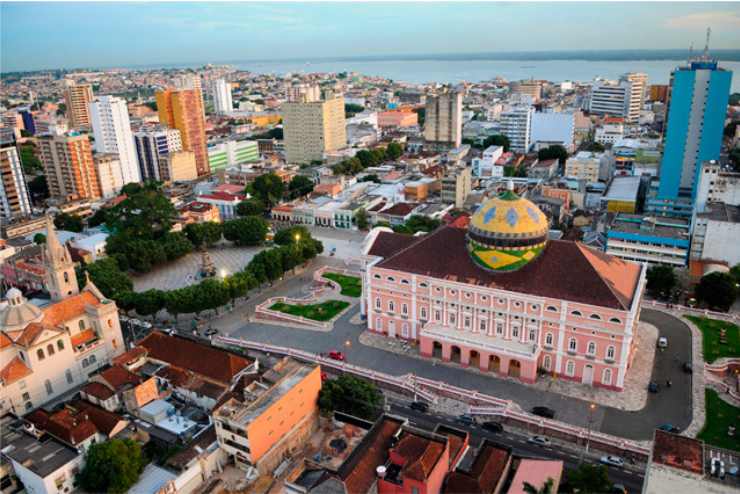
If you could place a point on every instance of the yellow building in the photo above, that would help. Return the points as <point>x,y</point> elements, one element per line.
<point>265,120</point>
<point>77,97</point>
<point>178,166</point>
<point>313,128</point>
<point>183,110</point>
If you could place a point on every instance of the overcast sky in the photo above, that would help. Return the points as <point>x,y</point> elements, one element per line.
<point>54,35</point>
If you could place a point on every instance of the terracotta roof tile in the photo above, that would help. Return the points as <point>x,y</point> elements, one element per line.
<point>421,455</point>
<point>387,243</point>
<point>105,421</point>
<point>83,337</point>
<point>15,370</point>
<point>98,390</point>
<point>360,473</point>
<point>5,341</point>
<point>205,360</point>
<point>400,209</point>
<point>69,308</point>
<point>484,474</point>
<point>131,356</point>
<point>69,424</point>
<point>118,377</point>
<point>564,270</point>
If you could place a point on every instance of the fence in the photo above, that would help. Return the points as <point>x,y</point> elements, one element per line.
<point>726,316</point>
<point>263,311</point>
<point>481,404</point>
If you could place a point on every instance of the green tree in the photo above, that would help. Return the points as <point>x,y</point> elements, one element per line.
<point>107,276</point>
<point>352,395</point>
<point>734,272</point>
<point>661,280</point>
<point>30,162</point>
<point>594,147</point>
<point>361,219</point>
<point>98,218</point>
<point>113,466</point>
<point>300,186</point>
<point>393,151</point>
<point>421,113</point>
<point>175,245</point>
<point>717,290</point>
<point>69,222</point>
<point>61,109</point>
<point>250,207</point>
<point>268,188</point>
<point>38,188</point>
<point>497,140</point>
<point>589,479</point>
<point>418,223</point>
<point>350,109</point>
<point>145,213</point>
<point>204,234</point>
<point>287,236</point>
<point>39,239</point>
<point>150,302</point>
<point>248,231</point>
<point>545,489</point>
<point>372,177</point>
<point>556,151</point>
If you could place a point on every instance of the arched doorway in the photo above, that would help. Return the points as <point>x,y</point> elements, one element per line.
<point>515,368</point>
<point>437,349</point>
<point>474,359</point>
<point>494,363</point>
<point>588,375</point>
<point>455,354</point>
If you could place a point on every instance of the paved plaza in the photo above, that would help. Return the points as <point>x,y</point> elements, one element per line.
<point>186,270</point>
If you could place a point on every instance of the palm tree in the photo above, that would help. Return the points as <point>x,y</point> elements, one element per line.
<point>545,489</point>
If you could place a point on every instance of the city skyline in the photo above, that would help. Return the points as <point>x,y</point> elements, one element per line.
<point>201,33</point>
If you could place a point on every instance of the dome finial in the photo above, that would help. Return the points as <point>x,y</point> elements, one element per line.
<point>510,185</point>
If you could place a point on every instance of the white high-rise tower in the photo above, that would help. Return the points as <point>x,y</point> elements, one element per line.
<point>112,132</point>
<point>221,92</point>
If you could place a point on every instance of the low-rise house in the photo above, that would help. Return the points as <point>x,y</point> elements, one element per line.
<point>117,388</point>
<point>486,475</point>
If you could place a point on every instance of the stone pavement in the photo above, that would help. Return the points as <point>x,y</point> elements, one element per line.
<point>632,398</point>
<point>185,271</point>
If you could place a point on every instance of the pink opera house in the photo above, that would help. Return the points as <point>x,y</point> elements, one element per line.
<point>500,296</point>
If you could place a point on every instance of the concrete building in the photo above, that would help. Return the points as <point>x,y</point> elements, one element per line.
<point>573,313</point>
<point>552,128</point>
<point>485,166</point>
<point>178,166</point>
<point>109,172</point>
<point>221,94</point>
<point>609,98</point>
<point>610,131</point>
<point>443,119</point>
<point>275,414</point>
<point>654,240</point>
<point>456,185</point>
<point>638,88</point>
<point>14,198</point>
<point>225,202</point>
<point>69,167</point>
<point>696,118</point>
<point>183,110</point>
<point>516,124</point>
<point>47,351</point>
<point>152,145</point>
<point>623,194</point>
<point>112,132</point>
<point>717,185</point>
<point>312,128</point>
<point>715,239</point>
<point>589,166</point>
<point>231,153</point>
<point>77,98</point>
<point>530,88</point>
<point>398,118</point>
<point>302,93</point>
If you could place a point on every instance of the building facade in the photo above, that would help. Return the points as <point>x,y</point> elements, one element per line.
<point>110,174</point>
<point>516,124</point>
<point>14,198</point>
<point>178,166</point>
<point>456,185</point>
<point>152,145</point>
<point>69,167</point>
<point>505,299</point>
<point>183,110</point>
<point>443,119</point>
<point>112,132</point>
<point>77,97</point>
<point>553,128</point>
<point>232,153</point>
<point>312,128</point>
<point>221,94</point>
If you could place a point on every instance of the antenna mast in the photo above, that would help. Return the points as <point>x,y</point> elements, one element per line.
<point>706,45</point>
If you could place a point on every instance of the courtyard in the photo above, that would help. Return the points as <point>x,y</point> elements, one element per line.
<point>714,344</point>
<point>720,417</point>
<point>324,311</point>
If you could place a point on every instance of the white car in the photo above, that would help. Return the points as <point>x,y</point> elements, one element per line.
<point>662,342</point>
<point>614,461</point>
<point>539,440</point>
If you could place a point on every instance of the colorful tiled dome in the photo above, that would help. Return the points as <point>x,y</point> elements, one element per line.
<point>507,232</point>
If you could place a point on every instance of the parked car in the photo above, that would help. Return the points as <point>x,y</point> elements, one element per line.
<point>662,342</point>
<point>539,440</point>
<point>734,471</point>
<point>336,355</point>
<point>615,461</point>
<point>546,412</point>
<point>492,426</point>
<point>718,468</point>
<point>687,368</point>
<point>669,428</point>
<point>466,419</point>
<point>419,406</point>
<point>653,387</point>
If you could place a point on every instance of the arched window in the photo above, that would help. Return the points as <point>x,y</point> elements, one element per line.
<point>546,362</point>
<point>50,349</point>
<point>377,303</point>
<point>377,276</point>
<point>423,312</point>
<point>391,279</point>
<point>610,352</point>
<point>66,277</point>
<point>570,368</point>
<point>591,348</point>
<point>576,313</point>
<point>452,318</point>
<point>68,374</point>
<point>404,309</point>
<point>615,320</point>
<point>404,282</point>
<point>483,324</point>
<point>548,339</point>
<point>92,359</point>
<point>391,306</point>
<point>49,389</point>
<point>515,331</point>
<point>437,315</point>
<point>82,324</point>
<point>423,284</point>
<point>552,308</point>
<point>595,316</point>
<point>532,335</point>
<point>378,324</point>
<point>60,344</point>
<point>572,344</point>
<point>606,377</point>
<point>40,354</point>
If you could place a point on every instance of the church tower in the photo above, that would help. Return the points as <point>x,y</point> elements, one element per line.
<point>61,279</point>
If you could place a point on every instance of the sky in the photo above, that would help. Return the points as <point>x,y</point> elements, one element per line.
<point>68,35</point>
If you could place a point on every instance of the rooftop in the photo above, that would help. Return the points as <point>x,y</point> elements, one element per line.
<point>623,189</point>
<point>42,456</point>
<point>663,226</point>
<point>484,474</point>
<point>719,211</point>
<point>679,452</point>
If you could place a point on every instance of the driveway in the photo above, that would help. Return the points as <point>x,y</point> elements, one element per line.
<point>672,405</point>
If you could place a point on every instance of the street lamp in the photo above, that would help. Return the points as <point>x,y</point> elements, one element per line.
<point>348,343</point>
<point>591,410</point>
<point>297,237</point>
<point>223,273</point>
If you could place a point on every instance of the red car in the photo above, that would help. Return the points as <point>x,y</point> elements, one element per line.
<point>324,376</point>
<point>336,355</point>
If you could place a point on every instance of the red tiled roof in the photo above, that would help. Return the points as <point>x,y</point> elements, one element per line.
<point>69,308</point>
<point>118,376</point>
<point>223,196</point>
<point>361,473</point>
<point>564,270</point>
<point>388,243</point>
<point>205,360</point>
<point>679,452</point>
<point>377,207</point>
<point>98,390</point>
<point>484,474</point>
<point>400,209</point>
<point>83,337</point>
<point>104,421</point>
<point>69,425</point>
<point>15,370</point>
<point>130,356</point>
<point>421,455</point>
<point>5,340</point>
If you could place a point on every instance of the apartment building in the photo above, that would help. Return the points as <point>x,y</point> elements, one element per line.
<point>589,166</point>
<point>530,88</point>
<point>456,185</point>
<point>221,94</point>
<point>152,145</point>
<point>112,131</point>
<point>443,119</point>
<point>183,110</point>
<point>109,172</point>
<point>312,128</point>
<point>77,97</point>
<point>178,166</point>
<point>14,198</point>
<point>516,124</point>
<point>69,167</point>
<point>623,98</point>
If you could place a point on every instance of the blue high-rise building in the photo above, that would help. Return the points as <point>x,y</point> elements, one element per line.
<point>696,114</point>
<point>28,122</point>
